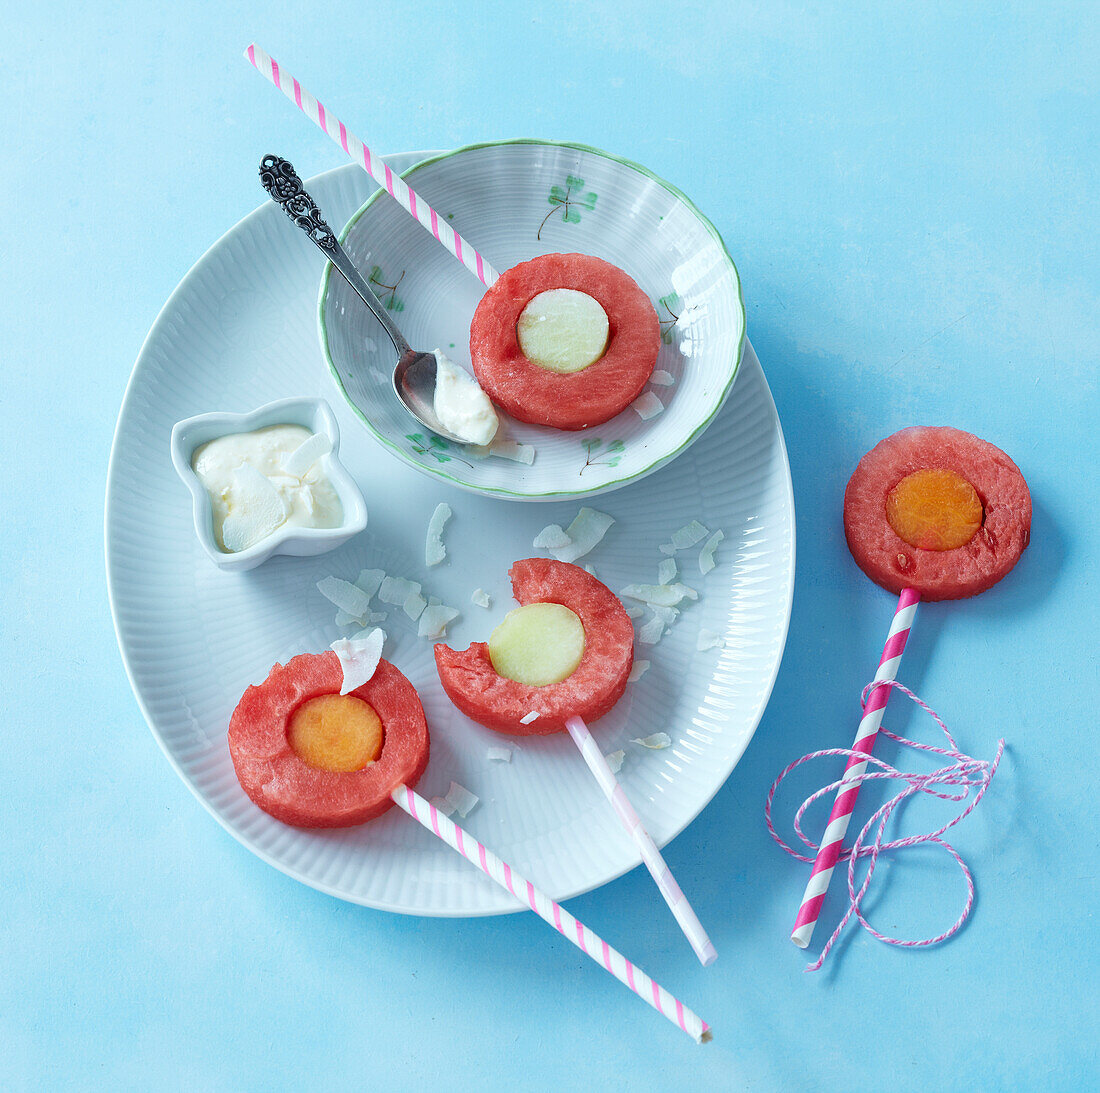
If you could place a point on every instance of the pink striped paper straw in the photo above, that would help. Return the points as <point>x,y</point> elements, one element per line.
<point>666,882</point>
<point>829,852</point>
<point>373,164</point>
<point>428,816</point>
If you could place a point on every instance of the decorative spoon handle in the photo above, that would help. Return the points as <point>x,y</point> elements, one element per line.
<point>285,187</point>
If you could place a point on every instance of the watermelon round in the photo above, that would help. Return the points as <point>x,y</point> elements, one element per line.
<point>473,685</point>
<point>579,399</point>
<point>277,780</point>
<point>937,574</point>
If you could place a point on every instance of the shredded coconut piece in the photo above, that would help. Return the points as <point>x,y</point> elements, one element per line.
<point>615,760</point>
<point>505,449</point>
<point>441,804</point>
<point>346,596</point>
<point>358,658</point>
<point>552,537</point>
<point>585,532</point>
<point>414,604</point>
<point>257,509</point>
<point>668,548</point>
<point>708,639</point>
<point>706,555</point>
<point>300,461</point>
<point>634,611</point>
<point>666,570</point>
<point>655,742</point>
<point>396,590</point>
<point>460,799</point>
<point>689,535</point>
<point>660,595</point>
<point>527,718</point>
<point>343,618</point>
<point>589,570</point>
<point>638,669</point>
<point>499,755</point>
<point>370,580</point>
<point>653,630</point>
<point>434,620</point>
<point>434,550</point>
<point>481,598</point>
<point>647,405</point>
<point>662,378</point>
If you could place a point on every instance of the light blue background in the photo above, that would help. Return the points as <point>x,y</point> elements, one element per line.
<point>911,196</point>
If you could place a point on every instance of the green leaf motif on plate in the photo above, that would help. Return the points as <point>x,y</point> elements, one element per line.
<point>596,455</point>
<point>671,303</point>
<point>390,300</point>
<point>570,198</point>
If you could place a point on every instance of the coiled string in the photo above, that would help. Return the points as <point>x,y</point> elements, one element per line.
<point>962,773</point>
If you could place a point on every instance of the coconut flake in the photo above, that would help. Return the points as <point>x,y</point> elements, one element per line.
<point>634,611</point>
<point>655,742</point>
<point>396,590</point>
<point>706,555</point>
<point>506,449</point>
<point>666,570</point>
<point>668,548</point>
<point>256,509</point>
<point>585,532</point>
<point>300,461</point>
<point>343,618</point>
<point>647,405</point>
<point>662,378</point>
<point>499,755</point>
<point>480,597</point>
<point>434,620</point>
<point>359,658</point>
<point>414,605</point>
<point>348,597</point>
<point>689,535</point>
<point>434,550</point>
<point>590,571</point>
<point>637,670</point>
<point>460,800</point>
<point>708,639</point>
<point>370,580</point>
<point>615,760</point>
<point>527,718</point>
<point>660,595</point>
<point>653,630</point>
<point>552,537</point>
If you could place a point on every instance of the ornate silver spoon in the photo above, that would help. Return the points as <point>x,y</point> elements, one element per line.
<point>414,374</point>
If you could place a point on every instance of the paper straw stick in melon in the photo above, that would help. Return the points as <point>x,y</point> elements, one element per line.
<point>654,862</point>
<point>829,852</point>
<point>373,164</point>
<point>428,816</point>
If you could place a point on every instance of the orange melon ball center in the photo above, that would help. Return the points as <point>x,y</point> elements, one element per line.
<point>335,732</point>
<point>934,509</point>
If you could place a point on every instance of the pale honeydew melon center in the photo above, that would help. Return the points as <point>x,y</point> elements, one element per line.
<point>563,330</point>
<point>539,644</point>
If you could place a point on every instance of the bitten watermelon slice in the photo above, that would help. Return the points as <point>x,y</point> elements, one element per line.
<point>578,399</point>
<point>474,686</point>
<point>282,784</point>
<point>937,574</point>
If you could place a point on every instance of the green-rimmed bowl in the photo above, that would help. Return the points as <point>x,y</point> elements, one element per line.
<point>514,200</point>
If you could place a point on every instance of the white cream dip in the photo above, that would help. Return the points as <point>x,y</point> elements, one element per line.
<point>461,405</point>
<point>257,486</point>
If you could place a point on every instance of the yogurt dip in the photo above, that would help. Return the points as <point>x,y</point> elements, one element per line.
<point>257,484</point>
<point>461,405</point>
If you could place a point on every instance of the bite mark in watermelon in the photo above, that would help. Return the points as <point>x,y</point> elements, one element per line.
<point>937,574</point>
<point>286,787</point>
<point>574,400</point>
<point>474,686</point>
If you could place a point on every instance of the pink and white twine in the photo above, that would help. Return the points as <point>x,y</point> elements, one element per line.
<point>962,772</point>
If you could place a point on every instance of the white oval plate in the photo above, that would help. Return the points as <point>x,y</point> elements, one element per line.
<point>514,200</point>
<point>240,331</point>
